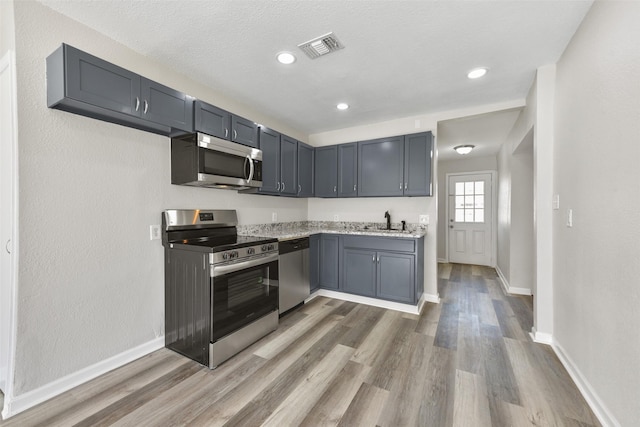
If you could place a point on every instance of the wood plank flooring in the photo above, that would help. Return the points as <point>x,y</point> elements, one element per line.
<point>468,361</point>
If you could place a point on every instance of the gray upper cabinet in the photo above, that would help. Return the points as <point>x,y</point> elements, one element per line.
<point>270,146</point>
<point>81,83</point>
<point>305,170</point>
<point>279,163</point>
<point>288,166</point>
<point>326,171</point>
<point>381,167</point>
<point>244,131</point>
<point>212,120</point>
<point>348,170</point>
<point>418,153</point>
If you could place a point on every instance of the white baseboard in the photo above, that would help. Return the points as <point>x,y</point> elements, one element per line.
<point>510,289</point>
<point>405,308</point>
<point>541,337</point>
<point>31,398</point>
<point>596,404</point>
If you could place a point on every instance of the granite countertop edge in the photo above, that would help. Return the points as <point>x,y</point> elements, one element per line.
<point>288,231</point>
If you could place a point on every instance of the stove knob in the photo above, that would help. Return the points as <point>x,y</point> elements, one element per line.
<point>225,256</point>
<point>264,248</point>
<point>251,251</point>
<point>234,254</point>
<point>271,246</point>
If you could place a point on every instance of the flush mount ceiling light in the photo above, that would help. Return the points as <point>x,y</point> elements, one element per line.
<point>476,73</point>
<point>464,149</point>
<point>285,58</point>
<point>342,106</point>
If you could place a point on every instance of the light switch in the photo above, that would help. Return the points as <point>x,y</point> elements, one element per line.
<point>556,202</point>
<point>569,217</point>
<point>154,232</point>
<point>423,219</point>
<point>274,216</point>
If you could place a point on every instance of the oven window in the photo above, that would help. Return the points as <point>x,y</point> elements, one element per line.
<point>241,297</point>
<point>223,164</point>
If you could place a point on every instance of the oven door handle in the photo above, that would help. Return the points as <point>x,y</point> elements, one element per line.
<point>219,270</point>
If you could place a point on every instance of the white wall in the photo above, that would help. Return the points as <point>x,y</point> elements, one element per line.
<point>596,263</point>
<point>471,164</point>
<point>91,284</point>
<point>372,209</point>
<point>7,27</point>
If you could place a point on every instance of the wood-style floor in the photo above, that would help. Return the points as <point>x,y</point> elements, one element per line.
<point>468,361</point>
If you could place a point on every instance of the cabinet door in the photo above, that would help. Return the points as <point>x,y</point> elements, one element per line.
<point>305,170</point>
<point>166,106</point>
<point>381,167</point>
<point>270,146</point>
<point>329,245</point>
<point>326,171</point>
<point>314,262</point>
<point>418,150</point>
<point>288,166</point>
<point>396,277</point>
<point>244,131</point>
<point>97,82</point>
<point>359,272</point>
<point>212,120</point>
<point>347,170</point>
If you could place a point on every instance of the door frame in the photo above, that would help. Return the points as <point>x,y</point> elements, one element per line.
<point>8,69</point>
<point>494,208</point>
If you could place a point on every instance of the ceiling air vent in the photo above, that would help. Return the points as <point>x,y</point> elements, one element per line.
<point>321,46</point>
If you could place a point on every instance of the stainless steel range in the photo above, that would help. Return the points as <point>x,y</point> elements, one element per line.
<point>221,289</point>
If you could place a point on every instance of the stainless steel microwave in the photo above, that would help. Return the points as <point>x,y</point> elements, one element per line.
<point>206,161</point>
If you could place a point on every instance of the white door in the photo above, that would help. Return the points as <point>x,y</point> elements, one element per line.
<point>7,218</point>
<point>470,219</point>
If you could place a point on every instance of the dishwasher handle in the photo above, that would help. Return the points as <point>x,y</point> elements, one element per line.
<point>293,245</point>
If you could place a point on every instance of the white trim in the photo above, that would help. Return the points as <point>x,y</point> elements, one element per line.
<point>59,386</point>
<point>541,337</point>
<point>494,207</point>
<point>405,308</point>
<point>508,288</point>
<point>596,404</point>
<point>8,62</point>
<point>443,260</point>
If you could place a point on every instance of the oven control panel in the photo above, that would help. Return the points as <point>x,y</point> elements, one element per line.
<point>241,253</point>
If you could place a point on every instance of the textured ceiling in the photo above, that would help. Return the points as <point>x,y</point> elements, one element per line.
<point>402,58</point>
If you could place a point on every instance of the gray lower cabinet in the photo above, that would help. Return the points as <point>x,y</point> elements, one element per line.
<point>81,83</point>
<point>326,171</point>
<point>305,170</point>
<point>329,261</point>
<point>314,262</point>
<point>347,170</point>
<point>381,167</point>
<point>381,267</point>
<point>359,272</point>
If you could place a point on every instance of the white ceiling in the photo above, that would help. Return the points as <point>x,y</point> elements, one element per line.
<point>402,58</point>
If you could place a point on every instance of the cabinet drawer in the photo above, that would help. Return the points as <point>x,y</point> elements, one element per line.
<point>380,243</point>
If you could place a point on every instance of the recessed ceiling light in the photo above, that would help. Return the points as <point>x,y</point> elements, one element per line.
<point>342,106</point>
<point>476,73</point>
<point>286,58</point>
<point>464,149</point>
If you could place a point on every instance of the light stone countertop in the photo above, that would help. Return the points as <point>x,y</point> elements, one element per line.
<point>295,230</point>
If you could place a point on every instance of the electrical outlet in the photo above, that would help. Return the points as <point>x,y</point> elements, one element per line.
<point>569,218</point>
<point>336,217</point>
<point>423,219</point>
<point>154,232</point>
<point>274,216</point>
<point>556,202</point>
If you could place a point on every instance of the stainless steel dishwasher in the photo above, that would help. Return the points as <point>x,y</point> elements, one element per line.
<point>294,272</point>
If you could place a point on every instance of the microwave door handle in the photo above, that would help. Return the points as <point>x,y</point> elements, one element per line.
<point>251,168</point>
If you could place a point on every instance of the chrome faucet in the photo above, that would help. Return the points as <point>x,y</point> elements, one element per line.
<point>388,216</point>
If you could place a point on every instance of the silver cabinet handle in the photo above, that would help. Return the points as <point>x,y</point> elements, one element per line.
<point>226,132</point>
<point>374,259</point>
<point>235,134</point>
<point>137,103</point>
<point>405,185</point>
<point>278,186</point>
<point>354,187</point>
<point>299,188</point>
<point>378,259</point>
<point>6,247</point>
<point>146,107</point>
<point>334,188</point>
<point>282,185</point>
<point>401,186</point>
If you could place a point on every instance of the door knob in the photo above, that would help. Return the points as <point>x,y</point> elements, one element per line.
<point>451,226</point>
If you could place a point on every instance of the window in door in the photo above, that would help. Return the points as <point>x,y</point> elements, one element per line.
<point>469,201</point>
